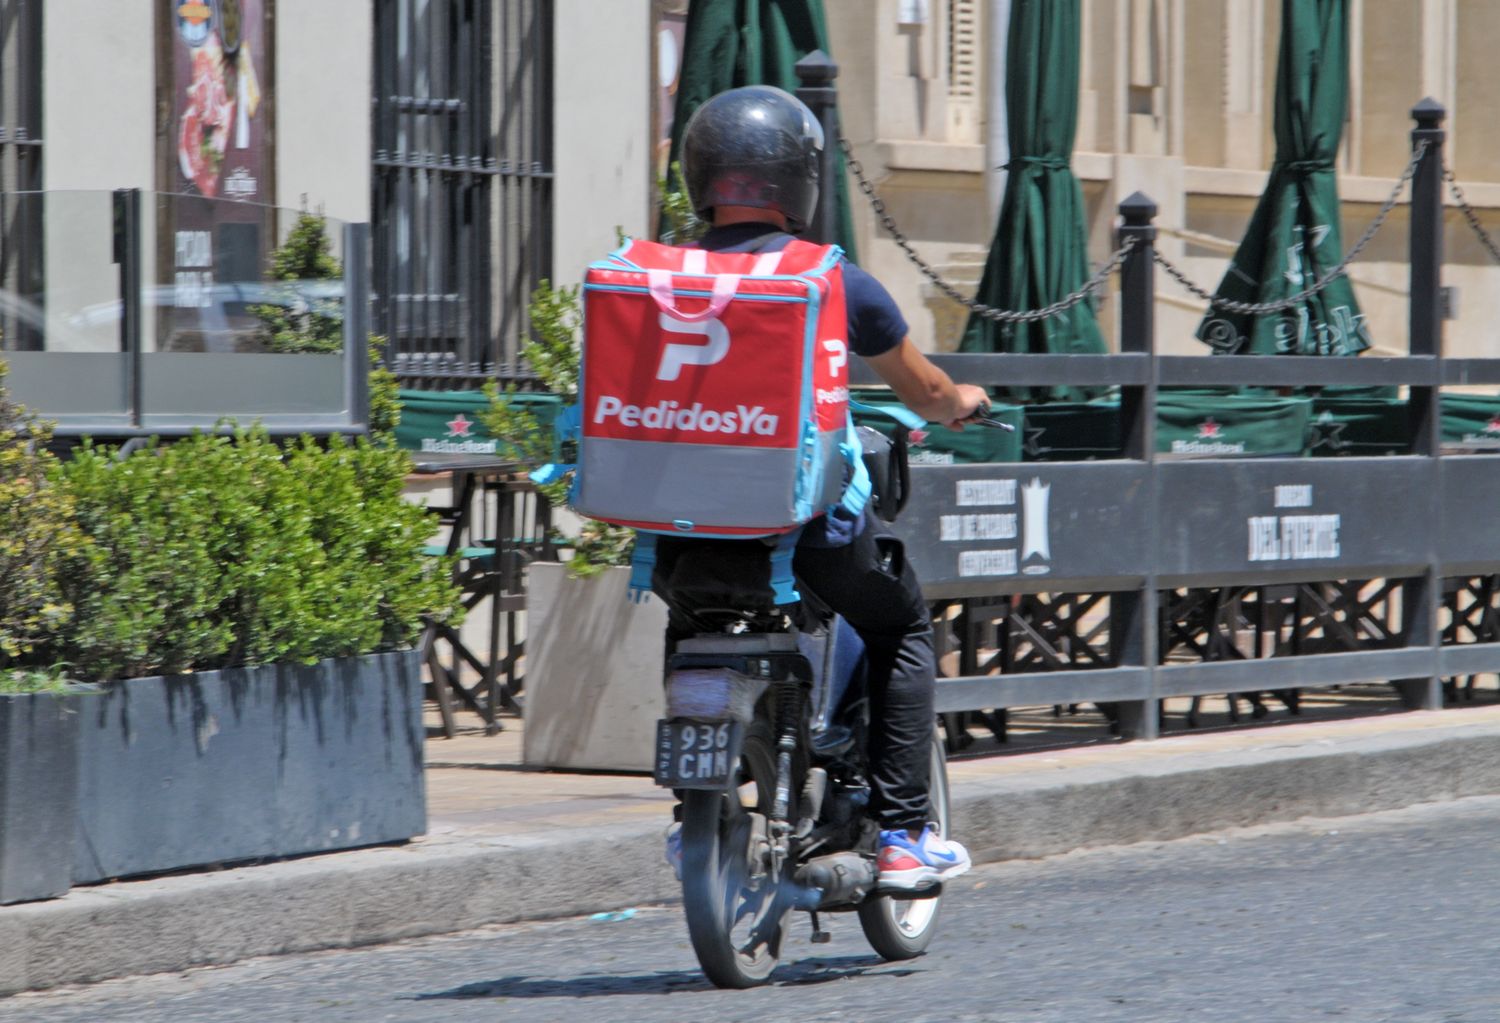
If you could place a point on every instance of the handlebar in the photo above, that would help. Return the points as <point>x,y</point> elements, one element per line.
<point>982,417</point>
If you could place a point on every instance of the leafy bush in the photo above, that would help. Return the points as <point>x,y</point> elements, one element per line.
<point>385,396</point>
<point>223,550</point>
<point>552,352</point>
<point>37,532</point>
<point>34,680</point>
<point>304,324</point>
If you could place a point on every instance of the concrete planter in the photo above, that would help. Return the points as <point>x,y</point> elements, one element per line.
<point>593,671</point>
<point>38,794</point>
<point>238,764</point>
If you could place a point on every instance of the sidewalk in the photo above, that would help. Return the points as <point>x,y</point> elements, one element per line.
<point>506,844</point>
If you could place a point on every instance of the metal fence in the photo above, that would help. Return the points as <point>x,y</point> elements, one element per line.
<point>21,263</point>
<point>462,202</point>
<point>1125,581</point>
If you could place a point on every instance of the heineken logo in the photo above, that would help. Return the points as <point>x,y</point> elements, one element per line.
<point>460,440</point>
<point>1208,441</point>
<point>1493,426</point>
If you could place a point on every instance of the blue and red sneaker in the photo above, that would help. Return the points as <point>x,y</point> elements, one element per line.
<point>907,865</point>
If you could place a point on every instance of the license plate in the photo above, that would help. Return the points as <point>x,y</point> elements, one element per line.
<point>697,754</point>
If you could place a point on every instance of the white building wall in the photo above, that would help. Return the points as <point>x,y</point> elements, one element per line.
<point>603,87</point>
<point>98,103</point>
<point>323,60</point>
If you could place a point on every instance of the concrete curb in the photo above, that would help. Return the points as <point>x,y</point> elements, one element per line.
<point>1005,809</point>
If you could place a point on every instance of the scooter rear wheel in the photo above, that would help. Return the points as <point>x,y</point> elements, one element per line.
<point>901,927</point>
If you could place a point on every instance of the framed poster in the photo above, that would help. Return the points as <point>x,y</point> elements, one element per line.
<point>215,170</point>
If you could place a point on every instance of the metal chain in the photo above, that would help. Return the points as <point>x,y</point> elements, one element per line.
<point>1062,305</point>
<point>1470,215</point>
<point>1293,301</point>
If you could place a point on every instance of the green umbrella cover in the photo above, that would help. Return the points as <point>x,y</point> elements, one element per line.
<point>1294,236</point>
<point>1040,250</point>
<point>730,43</point>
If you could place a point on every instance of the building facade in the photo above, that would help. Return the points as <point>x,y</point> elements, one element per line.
<point>1176,101</point>
<point>494,145</point>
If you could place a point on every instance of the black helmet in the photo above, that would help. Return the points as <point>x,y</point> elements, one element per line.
<point>755,146</point>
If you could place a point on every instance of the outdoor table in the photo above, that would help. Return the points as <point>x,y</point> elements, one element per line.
<point>498,522</point>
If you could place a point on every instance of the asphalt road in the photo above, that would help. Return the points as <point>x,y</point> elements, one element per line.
<point>1392,916</point>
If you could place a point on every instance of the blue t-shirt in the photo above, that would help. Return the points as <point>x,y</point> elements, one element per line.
<point>875,322</point>
<point>876,326</point>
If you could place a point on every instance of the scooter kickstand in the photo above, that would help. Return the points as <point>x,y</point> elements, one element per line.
<point>819,936</point>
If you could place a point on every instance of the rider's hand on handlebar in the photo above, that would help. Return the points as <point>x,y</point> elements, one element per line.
<point>974,402</point>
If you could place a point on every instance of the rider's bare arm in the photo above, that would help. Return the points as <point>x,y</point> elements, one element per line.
<point>926,389</point>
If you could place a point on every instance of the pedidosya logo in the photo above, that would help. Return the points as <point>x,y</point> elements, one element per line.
<point>694,418</point>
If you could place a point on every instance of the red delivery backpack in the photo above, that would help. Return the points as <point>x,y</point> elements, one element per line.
<point>714,391</point>
<point>713,398</point>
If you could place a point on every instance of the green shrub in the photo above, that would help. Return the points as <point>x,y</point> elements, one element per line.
<point>303,325</point>
<point>385,396</point>
<point>34,680</point>
<point>552,352</point>
<point>37,532</point>
<point>225,550</point>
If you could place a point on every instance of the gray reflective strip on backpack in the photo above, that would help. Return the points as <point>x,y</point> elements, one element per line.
<point>634,481</point>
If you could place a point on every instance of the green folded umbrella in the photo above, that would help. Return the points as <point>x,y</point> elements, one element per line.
<point>730,43</point>
<point>1294,235</point>
<point>1040,249</point>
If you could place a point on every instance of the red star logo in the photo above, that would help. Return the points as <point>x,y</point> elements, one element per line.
<point>1208,428</point>
<point>919,437</point>
<point>458,426</point>
<point>1493,426</point>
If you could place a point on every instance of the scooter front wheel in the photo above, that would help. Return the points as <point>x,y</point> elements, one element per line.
<point>901,927</point>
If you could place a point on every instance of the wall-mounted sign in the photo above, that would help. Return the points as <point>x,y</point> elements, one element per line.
<point>997,540</point>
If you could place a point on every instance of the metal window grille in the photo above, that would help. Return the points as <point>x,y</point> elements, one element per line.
<point>462,183</point>
<point>20,166</point>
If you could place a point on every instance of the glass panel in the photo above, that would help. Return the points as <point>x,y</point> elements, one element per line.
<point>73,305</point>
<point>240,278</point>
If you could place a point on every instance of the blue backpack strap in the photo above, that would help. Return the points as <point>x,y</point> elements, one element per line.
<point>783,579</point>
<point>900,413</point>
<point>857,493</point>
<point>567,426</point>
<point>857,490</point>
<point>642,564</point>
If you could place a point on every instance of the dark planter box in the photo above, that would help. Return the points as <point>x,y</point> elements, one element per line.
<point>247,763</point>
<point>38,794</point>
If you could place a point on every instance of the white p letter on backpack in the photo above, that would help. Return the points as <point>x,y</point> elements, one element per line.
<point>675,356</point>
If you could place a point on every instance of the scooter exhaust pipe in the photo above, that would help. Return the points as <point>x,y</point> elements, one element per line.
<point>838,879</point>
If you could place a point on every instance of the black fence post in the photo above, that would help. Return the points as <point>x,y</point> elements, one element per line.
<point>816,73</point>
<point>357,321</point>
<point>127,255</point>
<point>1426,254</point>
<point>1133,615</point>
<point>1422,596</point>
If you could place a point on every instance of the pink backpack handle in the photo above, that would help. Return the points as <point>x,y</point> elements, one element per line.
<point>724,287</point>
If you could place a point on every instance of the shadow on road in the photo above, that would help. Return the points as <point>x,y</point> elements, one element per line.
<point>810,971</point>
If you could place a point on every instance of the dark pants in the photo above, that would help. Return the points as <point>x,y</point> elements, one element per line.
<point>869,583</point>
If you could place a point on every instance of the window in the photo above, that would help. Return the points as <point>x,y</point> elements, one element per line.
<point>462,178</point>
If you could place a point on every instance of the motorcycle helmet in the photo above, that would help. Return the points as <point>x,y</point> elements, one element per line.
<point>755,146</point>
